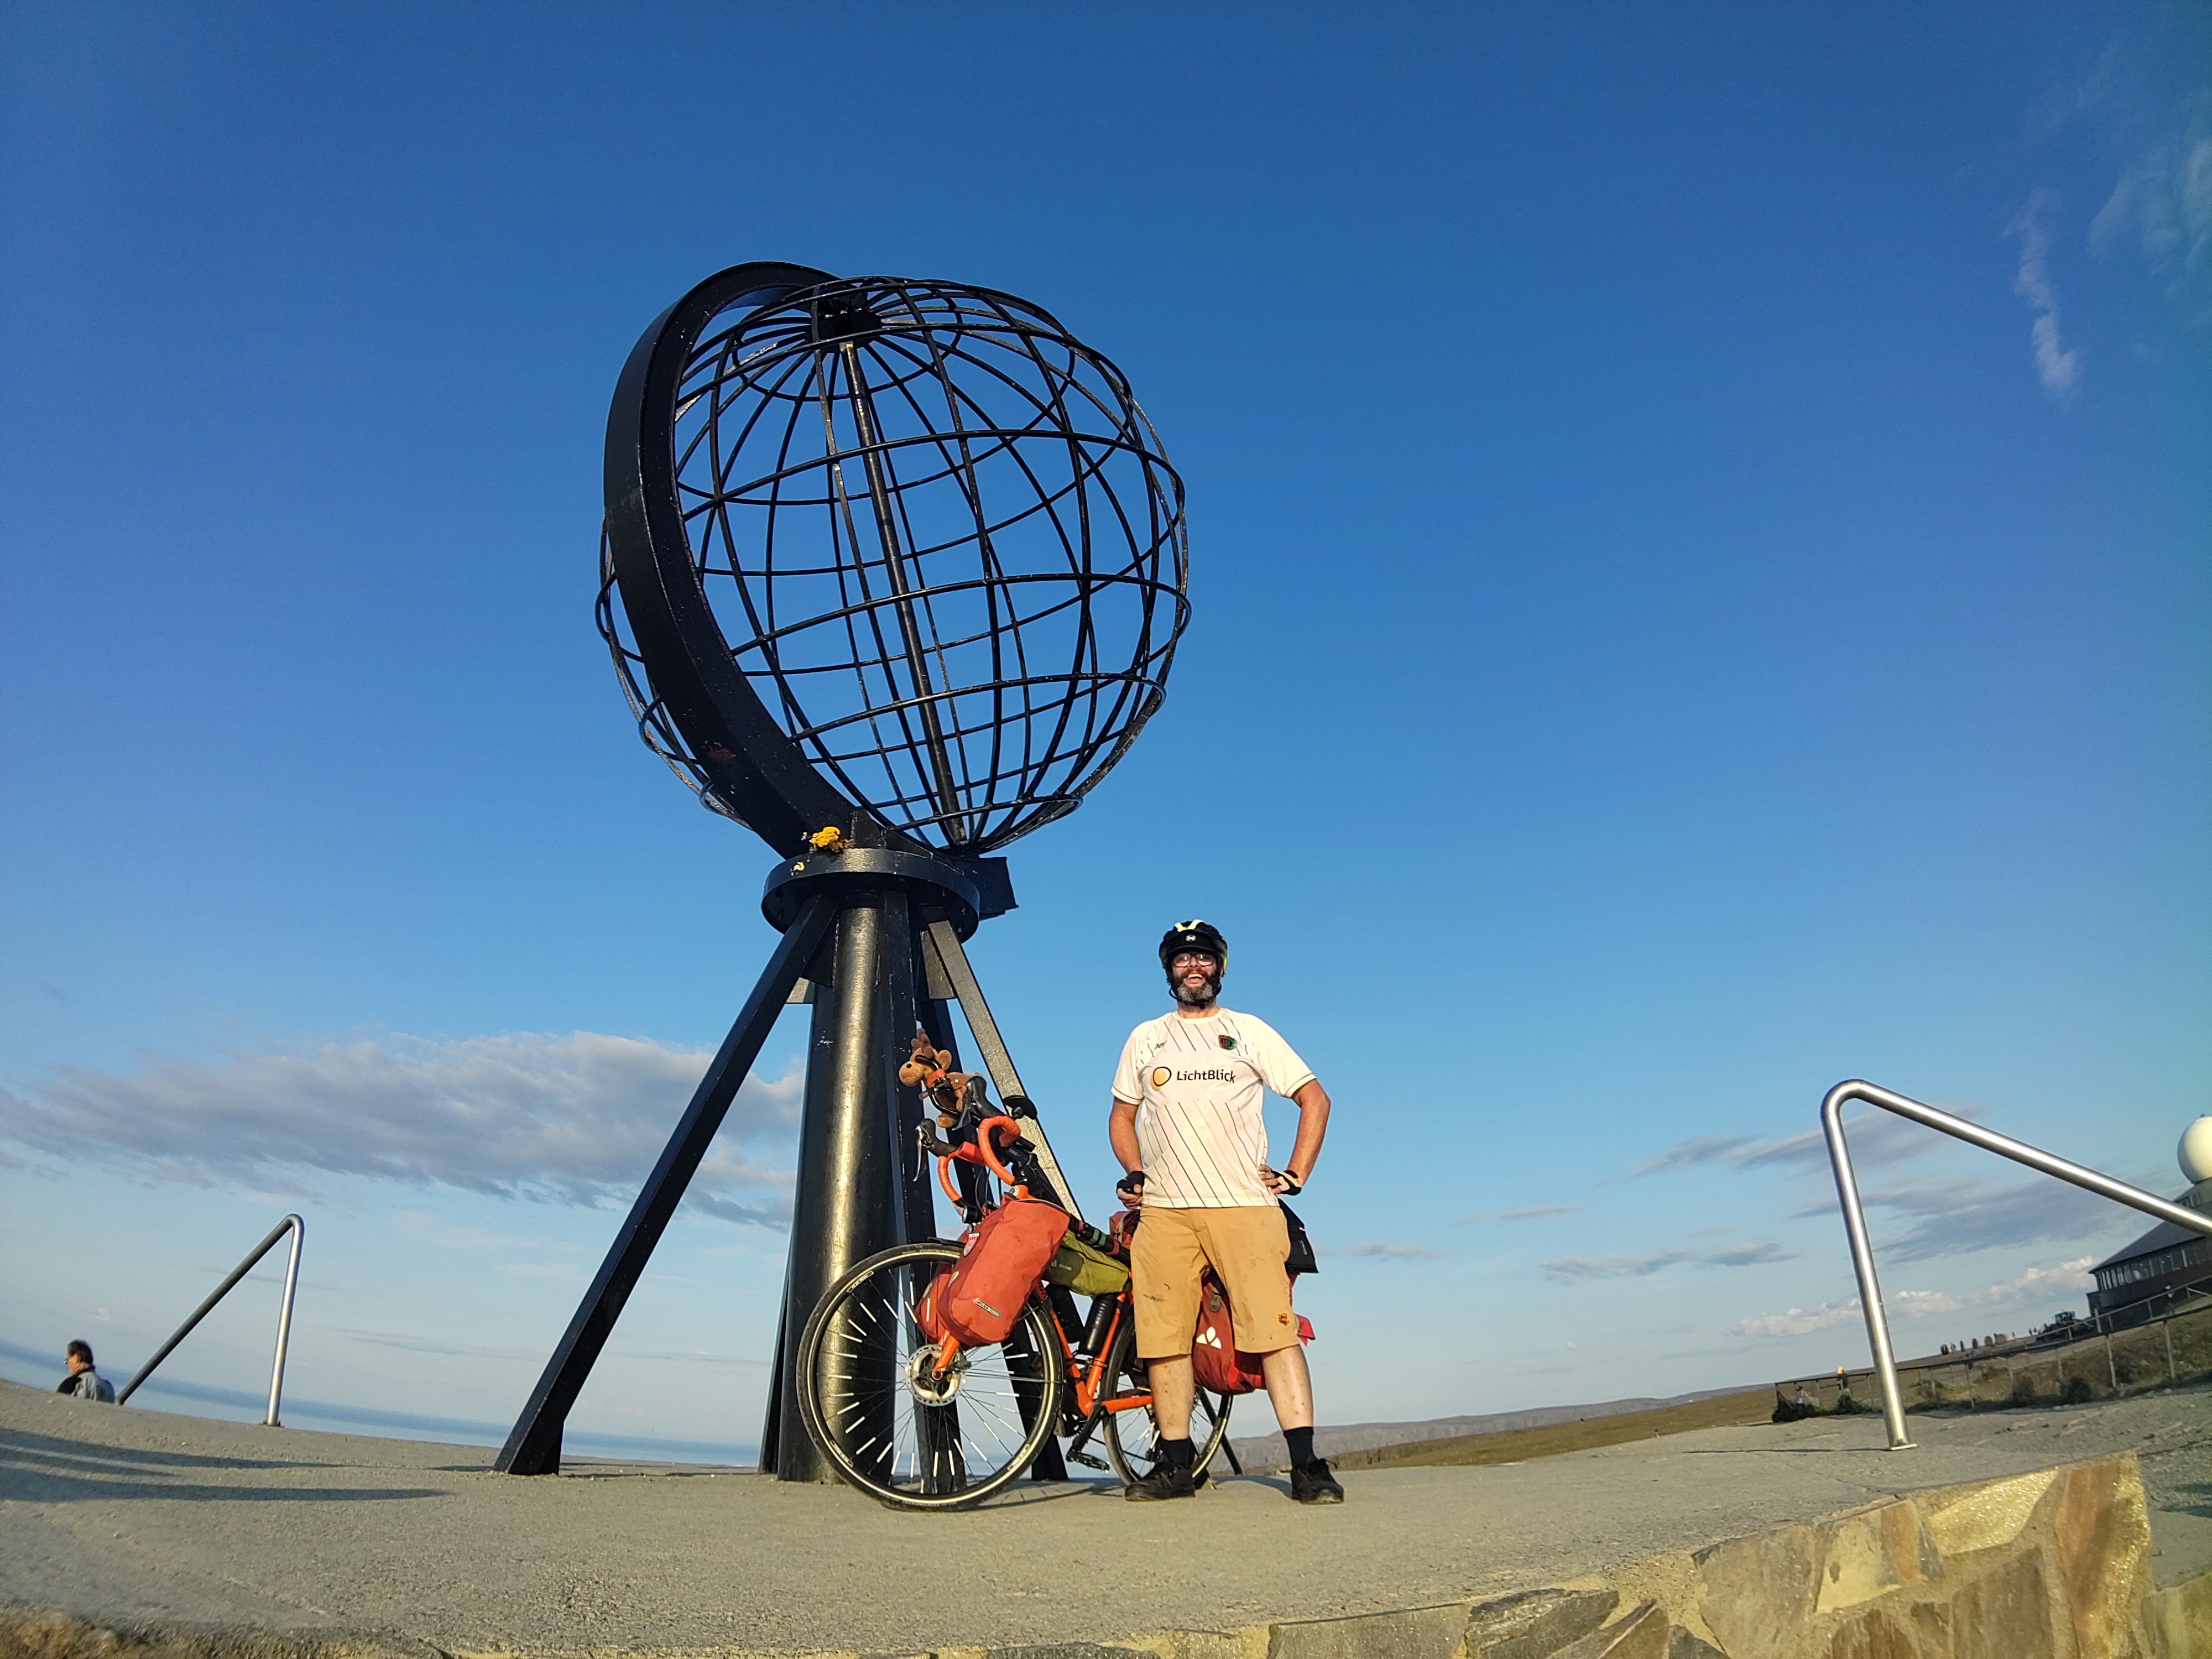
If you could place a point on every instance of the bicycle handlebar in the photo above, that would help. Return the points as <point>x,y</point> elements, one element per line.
<point>984,1150</point>
<point>974,1147</point>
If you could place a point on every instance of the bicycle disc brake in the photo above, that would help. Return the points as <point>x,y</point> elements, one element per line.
<point>931,1386</point>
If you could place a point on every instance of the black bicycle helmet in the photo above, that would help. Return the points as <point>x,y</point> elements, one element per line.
<point>1196,934</point>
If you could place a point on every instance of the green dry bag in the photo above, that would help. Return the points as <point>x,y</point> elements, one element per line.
<point>1085,1271</point>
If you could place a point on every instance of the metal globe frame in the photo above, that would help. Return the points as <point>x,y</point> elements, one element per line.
<point>953,489</point>
<point>892,573</point>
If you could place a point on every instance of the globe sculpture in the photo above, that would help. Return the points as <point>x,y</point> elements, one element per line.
<point>892,572</point>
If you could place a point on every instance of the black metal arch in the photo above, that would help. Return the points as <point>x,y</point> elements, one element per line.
<point>749,762</point>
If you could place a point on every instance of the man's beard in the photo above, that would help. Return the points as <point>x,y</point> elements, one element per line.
<point>1196,996</point>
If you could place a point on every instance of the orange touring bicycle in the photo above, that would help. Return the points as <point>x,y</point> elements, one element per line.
<point>910,1414</point>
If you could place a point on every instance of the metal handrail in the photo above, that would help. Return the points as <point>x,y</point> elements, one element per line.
<point>298,1229</point>
<point>1847,1192</point>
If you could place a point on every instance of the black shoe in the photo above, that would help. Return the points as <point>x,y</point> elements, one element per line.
<point>1162,1482</point>
<point>1312,1483</point>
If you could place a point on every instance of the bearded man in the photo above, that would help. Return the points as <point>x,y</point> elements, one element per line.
<point>1186,1125</point>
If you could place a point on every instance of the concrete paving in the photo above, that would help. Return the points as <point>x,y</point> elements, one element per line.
<point>141,1520</point>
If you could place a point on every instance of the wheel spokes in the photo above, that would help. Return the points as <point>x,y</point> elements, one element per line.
<point>893,1424</point>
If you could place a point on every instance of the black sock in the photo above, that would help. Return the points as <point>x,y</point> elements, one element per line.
<point>1176,1453</point>
<point>1300,1440</point>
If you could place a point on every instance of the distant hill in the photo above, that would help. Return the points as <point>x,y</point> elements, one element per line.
<point>1263,1451</point>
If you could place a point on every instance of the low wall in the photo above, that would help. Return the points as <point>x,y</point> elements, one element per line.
<point>2050,1565</point>
<point>2177,1349</point>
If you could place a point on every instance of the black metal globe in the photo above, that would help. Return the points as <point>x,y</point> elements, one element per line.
<point>913,534</point>
<point>892,573</point>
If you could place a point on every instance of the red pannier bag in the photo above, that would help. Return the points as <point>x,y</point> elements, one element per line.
<point>929,1306</point>
<point>1003,1259</point>
<point>1215,1364</point>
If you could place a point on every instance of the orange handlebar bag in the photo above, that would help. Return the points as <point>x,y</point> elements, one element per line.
<point>1005,1258</point>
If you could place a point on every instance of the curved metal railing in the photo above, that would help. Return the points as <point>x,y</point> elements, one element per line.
<point>1847,1193</point>
<point>292,1225</point>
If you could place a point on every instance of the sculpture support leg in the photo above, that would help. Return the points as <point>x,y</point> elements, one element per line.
<point>533,1447</point>
<point>772,1423</point>
<point>938,1022</point>
<point>953,961</point>
<point>944,941</point>
<point>909,1008</point>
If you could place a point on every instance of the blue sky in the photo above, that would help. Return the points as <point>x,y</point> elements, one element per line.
<point>1702,567</point>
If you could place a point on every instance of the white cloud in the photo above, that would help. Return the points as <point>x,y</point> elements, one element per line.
<point>1393,1252</point>
<point>1579,1269</point>
<point>1533,1213</point>
<point>424,1345</point>
<point>1951,1217</point>
<point>1915,1304</point>
<point>2066,1277</point>
<point>1958,1216</point>
<point>1745,1256</point>
<point>1876,1140</point>
<point>2057,366</point>
<point>1726,1150</point>
<point>576,1120</point>
<point>1798,1322</point>
<point>2162,200</point>
<point>1576,1269</point>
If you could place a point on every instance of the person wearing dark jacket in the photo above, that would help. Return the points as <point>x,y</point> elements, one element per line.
<point>82,1380</point>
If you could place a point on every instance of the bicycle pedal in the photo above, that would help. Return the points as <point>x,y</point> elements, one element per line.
<point>1089,1461</point>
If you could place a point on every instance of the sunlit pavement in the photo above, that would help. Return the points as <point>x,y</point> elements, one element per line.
<point>133,1517</point>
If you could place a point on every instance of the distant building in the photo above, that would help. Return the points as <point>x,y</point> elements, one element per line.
<point>2170,1258</point>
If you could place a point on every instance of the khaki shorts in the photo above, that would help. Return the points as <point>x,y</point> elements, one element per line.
<point>1246,1246</point>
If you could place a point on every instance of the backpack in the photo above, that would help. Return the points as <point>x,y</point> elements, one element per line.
<point>1301,1259</point>
<point>979,1300</point>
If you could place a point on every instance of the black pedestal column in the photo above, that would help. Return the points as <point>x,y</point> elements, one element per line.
<point>861,1186</point>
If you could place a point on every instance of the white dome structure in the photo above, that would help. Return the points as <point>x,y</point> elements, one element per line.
<point>2195,1151</point>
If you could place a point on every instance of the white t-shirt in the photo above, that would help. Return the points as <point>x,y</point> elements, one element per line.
<point>1197,1085</point>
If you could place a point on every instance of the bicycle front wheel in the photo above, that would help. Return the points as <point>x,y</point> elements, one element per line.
<point>873,1400</point>
<point>1132,1436</point>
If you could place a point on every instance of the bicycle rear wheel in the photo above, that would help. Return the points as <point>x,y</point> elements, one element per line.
<point>870,1396</point>
<point>1132,1436</point>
